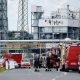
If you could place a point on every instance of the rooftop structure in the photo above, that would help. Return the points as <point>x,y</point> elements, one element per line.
<point>36,15</point>
<point>63,23</point>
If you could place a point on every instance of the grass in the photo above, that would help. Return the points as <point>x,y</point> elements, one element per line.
<point>2,69</point>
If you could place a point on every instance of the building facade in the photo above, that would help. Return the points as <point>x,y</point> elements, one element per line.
<point>63,23</point>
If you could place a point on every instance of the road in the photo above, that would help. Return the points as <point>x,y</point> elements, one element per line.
<point>29,74</point>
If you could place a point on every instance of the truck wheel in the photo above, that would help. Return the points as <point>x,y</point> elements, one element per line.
<point>66,70</point>
<point>19,65</point>
<point>63,68</point>
<point>29,67</point>
<point>79,71</point>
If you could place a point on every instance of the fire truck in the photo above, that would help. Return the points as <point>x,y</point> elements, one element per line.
<point>16,57</point>
<point>71,61</point>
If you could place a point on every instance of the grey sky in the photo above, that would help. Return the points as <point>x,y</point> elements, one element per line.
<point>48,5</point>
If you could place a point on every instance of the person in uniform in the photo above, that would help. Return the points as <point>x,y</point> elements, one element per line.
<point>57,63</point>
<point>36,63</point>
<point>48,63</point>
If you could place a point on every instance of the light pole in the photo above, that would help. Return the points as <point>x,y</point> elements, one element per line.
<point>40,49</point>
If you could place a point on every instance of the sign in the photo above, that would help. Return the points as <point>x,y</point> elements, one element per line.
<point>58,22</point>
<point>13,45</point>
<point>53,22</point>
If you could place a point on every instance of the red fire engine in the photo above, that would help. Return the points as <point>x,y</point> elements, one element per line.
<point>16,57</point>
<point>72,57</point>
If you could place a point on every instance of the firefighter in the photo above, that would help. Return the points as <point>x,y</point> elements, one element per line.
<point>57,63</point>
<point>48,63</point>
<point>36,63</point>
<point>40,62</point>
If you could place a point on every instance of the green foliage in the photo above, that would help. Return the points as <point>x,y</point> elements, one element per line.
<point>11,36</point>
<point>2,69</point>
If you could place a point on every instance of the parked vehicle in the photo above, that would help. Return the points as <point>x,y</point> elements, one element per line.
<point>72,58</point>
<point>16,57</point>
<point>26,63</point>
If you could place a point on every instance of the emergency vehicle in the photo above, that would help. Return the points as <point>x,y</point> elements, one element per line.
<point>72,60</point>
<point>16,57</point>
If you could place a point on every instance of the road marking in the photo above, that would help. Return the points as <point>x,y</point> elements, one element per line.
<point>64,74</point>
<point>53,79</point>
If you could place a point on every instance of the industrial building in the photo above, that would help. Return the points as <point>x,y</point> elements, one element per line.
<point>63,23</point>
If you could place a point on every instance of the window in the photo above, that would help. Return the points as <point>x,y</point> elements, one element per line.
<point>46,29</point>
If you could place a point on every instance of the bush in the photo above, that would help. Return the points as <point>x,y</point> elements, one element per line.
<point>2,69</point>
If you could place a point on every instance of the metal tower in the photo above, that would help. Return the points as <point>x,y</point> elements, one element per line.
<point>23,16</point>
<point>3,20</point>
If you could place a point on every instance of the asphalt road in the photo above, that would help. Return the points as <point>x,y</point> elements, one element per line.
<point>29,74</point>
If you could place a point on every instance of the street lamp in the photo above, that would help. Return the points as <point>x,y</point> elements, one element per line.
<point>40,49</point>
